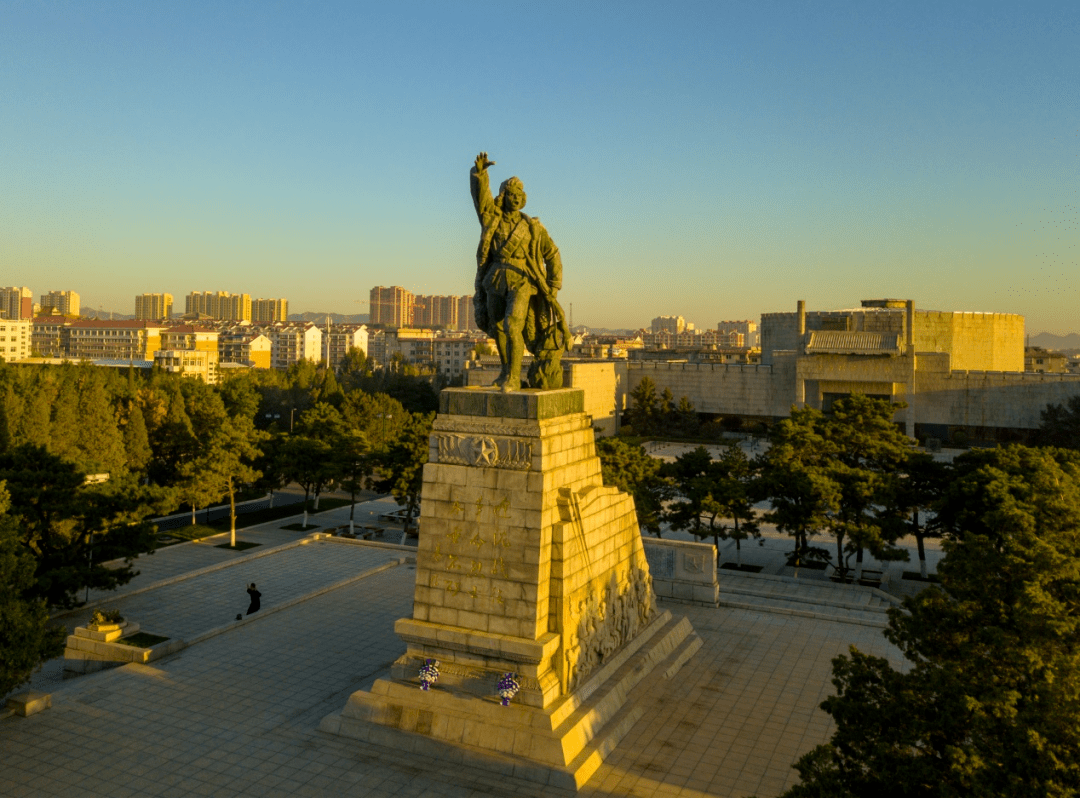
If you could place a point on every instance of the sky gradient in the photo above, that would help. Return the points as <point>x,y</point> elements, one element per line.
<point>715,160</point>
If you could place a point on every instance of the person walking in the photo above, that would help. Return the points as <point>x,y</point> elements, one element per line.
<point>255,599</point>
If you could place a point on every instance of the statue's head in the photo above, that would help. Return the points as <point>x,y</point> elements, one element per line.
<point>511,195</point>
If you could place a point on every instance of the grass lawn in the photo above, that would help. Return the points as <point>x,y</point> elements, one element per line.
<point>142,640</point>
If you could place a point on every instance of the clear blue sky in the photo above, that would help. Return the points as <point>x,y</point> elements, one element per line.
<point>716,160</point>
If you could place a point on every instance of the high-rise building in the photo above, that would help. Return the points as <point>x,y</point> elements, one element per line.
<point>64,303</point>
<point>219,305</point>
<point>16,303</point>
<point>392,307</point>
<point>466,314</point>
<point>669,324</point>
<point>153,307</point>
<point>267,311</point>
<point>436,311</point>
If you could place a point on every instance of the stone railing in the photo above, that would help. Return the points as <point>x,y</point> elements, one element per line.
<point>683,571</point>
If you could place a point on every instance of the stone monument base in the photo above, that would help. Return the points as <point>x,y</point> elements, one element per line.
<point>562,745</point>
<point>527,566</point>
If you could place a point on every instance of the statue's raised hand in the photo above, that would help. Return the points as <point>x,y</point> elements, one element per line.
<point>482,162</point>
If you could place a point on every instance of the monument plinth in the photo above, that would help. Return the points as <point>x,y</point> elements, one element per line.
<point>526,564</point>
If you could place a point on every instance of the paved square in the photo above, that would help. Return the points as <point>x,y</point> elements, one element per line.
<point>236,714</point>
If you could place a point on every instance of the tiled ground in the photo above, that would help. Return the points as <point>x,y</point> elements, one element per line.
<point>236,715</point>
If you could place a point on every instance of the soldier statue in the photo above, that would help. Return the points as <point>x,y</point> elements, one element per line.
<point>518,274</point>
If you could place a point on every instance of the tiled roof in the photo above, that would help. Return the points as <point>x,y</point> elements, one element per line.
<point>837,342</point>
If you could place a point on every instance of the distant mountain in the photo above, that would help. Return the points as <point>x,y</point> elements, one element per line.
<point>1055,342</point>
<point>105,315</point>
<point>335,318</point>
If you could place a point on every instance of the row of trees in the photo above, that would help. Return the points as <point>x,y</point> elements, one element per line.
<point>850,474</point>
<point>89,455</point>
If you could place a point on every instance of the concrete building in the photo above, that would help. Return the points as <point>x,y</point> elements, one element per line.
<point>466,314</point>
<point>190,337</point>
<point>245,347</point>
<point>669,324</point>
<point>338,340</point>
<point>63,303</point>
<point>15,339</point>
<point>219,305</point>
<point>16,303</point>
<point>392,307</point>
<point>294,342</point>
<point>751,336</point>
<point>197,364</point>
<point>956,372</point>
<point>268,311</point>
<point>1040,360</point>
<point>440,312</point>
<point>451,353</point>
<point>111,340</point>
<point>153,307</point>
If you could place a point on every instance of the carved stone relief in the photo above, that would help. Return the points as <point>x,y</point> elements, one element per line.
<point>484,451</point>
<point>606,621</point>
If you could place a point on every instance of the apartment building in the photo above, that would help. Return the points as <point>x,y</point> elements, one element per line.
<point>392,307</point>
<point>113,340</point>
<point>451,353</point>
<point>197,364</point>
<point>16,303</point>
<point>153,307</point>
<point>246,347</point>
<point>219,305</point>
<point>294,342</point>
<point>190,337</point>
<point>338,340</point>
<point>15,339</point>
<point>63,303</point>
<point>269,311</point>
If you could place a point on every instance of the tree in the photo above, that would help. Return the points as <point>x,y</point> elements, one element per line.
<point>693,476</point>
<point>866,452</point>
<point>26,637</point>
<point>307,462</point>
<point>72,529</point>
<point>732,490</point>
<point>354,465</point>
<point>225,465</point>
<point>644,410</point>
<point>914,494</point>
<point>402,464</point>
<point>630,469</point>
<point>1060,425</point>
<point>793,476</point>
<point>990,701</point>
<point>353,369</point>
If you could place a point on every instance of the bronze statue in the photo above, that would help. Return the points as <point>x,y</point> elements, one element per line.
<point>518,274</point>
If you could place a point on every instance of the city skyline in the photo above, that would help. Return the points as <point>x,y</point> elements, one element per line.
<point>705,161</point>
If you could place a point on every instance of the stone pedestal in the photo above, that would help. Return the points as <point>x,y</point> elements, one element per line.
<point>526,564</point>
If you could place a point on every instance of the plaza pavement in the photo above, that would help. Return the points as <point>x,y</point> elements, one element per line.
<point>236,713</point>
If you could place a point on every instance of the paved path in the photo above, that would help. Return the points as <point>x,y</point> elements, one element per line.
<point>237,714</point>
<point>181,558</point>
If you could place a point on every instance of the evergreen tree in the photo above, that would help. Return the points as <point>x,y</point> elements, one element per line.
<point>402,464</point>
<point>644,410</point>
<point>26,637</point>
<point>630,469</point>
<point>989,702</point>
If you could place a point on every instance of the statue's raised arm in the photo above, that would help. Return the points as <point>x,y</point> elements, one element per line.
<point>518,272</point>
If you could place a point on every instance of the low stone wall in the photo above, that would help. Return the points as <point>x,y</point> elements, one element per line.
<point>683,571</point>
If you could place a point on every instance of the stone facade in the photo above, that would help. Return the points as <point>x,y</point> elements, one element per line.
<point>526,564</point>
